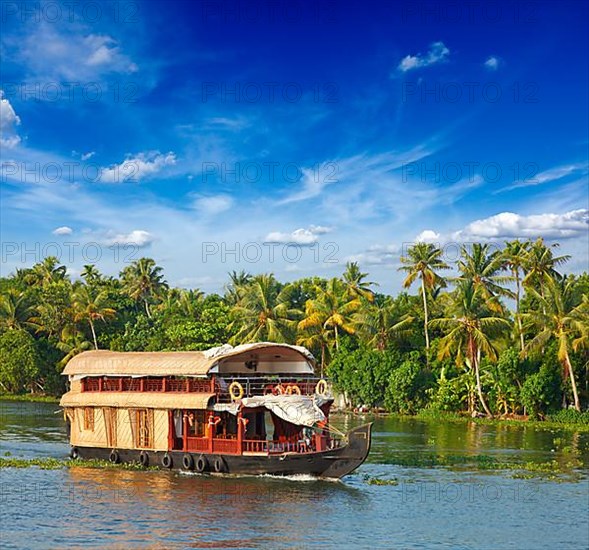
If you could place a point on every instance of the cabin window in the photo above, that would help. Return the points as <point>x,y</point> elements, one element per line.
<point>144,430</point>
<point>89,418</point>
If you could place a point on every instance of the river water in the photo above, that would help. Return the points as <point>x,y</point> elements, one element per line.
<point>429,507</point>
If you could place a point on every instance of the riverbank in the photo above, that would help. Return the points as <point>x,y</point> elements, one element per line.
<point>29,398</point>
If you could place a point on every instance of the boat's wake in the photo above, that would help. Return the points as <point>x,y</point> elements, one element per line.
<point>298,478</point>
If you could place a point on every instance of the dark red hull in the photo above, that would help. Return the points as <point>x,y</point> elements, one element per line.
<point>334,463</point>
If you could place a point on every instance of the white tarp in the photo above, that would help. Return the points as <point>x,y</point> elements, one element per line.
<point>301,410</point>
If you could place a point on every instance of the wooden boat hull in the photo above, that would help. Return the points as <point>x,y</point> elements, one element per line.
<point>334,463</point>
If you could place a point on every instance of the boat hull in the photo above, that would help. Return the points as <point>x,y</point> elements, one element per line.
<point>334,463</point>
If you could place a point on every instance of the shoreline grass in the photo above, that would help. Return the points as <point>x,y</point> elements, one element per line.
<point>29,398</point>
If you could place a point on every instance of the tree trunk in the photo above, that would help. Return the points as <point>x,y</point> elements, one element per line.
<point>322,358</point>
<point>93,333</point>
<point>519,319</point>
<point>336,337</point>
<point>147,309</point>
<point>425,313</point>
<point>569,365</point>
<point>475,364</point>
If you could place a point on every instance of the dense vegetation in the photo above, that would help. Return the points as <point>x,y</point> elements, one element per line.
<point>455,346</point>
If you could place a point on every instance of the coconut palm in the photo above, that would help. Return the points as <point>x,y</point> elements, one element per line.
<point>356,286</point>
<point>91,307</point>
<point>72,342</point>
<point>379,322</point>
<point>557,319</point>
<point>16,310</point>
<point>263,313</point>
<point>470,331</point>
<point>144,281</point>
<point>238,282</point>
<point>541,264</point>
<point>422,261</point>
<point>331,312</point>
<point>46,272</point>
<point>514,259</point>
<point>482,266</point>
<point>91,274</point>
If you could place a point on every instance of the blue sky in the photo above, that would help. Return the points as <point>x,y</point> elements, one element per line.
<point>289,137</point>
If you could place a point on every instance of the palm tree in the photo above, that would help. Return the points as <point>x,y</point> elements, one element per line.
<point>541,264</point>
<point>482,267</point>
<point>238,282</point>
<point>514,259</point>
<point>91,274</point>
<point>331,311</point>
<point>470,331</point>
<point>263,312</point>
<point>16,310</point>
<point>144,281</point>
<point>379,322</point>
<point>91,308</point>
<point>357,287</point>
<point>72,342</point>
<point>46,272</point>
<point>558,320</point>
<point>422,261</point>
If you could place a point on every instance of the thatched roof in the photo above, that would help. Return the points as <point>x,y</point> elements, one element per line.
<point>177,363</point>
<point>131,400</point>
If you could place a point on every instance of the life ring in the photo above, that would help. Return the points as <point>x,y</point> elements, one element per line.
<point>292,390</point>
<point>114,457</point>
<point>321,388</point>
<point>219,465</point>
<point>74,453</point>
<point>144,459</point>
<point>167,461</point>
<point>187,462</point>
<point>214,420</point>
<point>236,391</point>
<point>201,464</point>
<point>279,389</point>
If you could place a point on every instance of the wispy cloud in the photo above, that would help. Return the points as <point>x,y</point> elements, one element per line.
<point>212,204</point>
<point>548,176</point>
<point>303,237</point>
<point>138,167</point>
<point>492,63</point>
<point>438,53</point>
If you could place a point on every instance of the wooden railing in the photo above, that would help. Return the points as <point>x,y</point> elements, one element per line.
<point>149,384</point>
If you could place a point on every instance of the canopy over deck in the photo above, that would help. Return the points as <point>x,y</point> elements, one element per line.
<point>262,357</point>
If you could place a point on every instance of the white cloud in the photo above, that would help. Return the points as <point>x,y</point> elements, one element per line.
<point>64,230</point>
<point>438,53</point>
<point>508,225</point>
<point>137,237</point>
<point>211,205</point>
<point>303,237</point>
<point>8,121</point>
<point>137,168</point>
<point>428,236</point>
<point>70,54</point>
<point>492,63</point>
<point>87,156</point>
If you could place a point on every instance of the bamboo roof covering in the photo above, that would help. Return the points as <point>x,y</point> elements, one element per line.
<point>132,400</point>
<point>175,363</point>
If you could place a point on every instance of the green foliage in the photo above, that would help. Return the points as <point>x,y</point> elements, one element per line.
<point>408,384</point>
<point>363,374</point>
<point>570,416</point>
<point>19,361</point>
<point>541,392</point>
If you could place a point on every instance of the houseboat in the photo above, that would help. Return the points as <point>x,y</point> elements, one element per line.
<point>251,409</point>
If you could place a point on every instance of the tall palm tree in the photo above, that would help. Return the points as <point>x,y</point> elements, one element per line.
<point>355,282</point>
<point>143,281</point>
<point>263,313</point>
<point>331,311</point>
<point>482,266</point>
<point>422,261</point>
<point>91,274</point>
<point>91,308</point>
<point>470,331</point>
<point>379,322</point>
<point>558,320</point>
<point>514,259</point>
<point>238,282</point>
<point>16,310</point>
